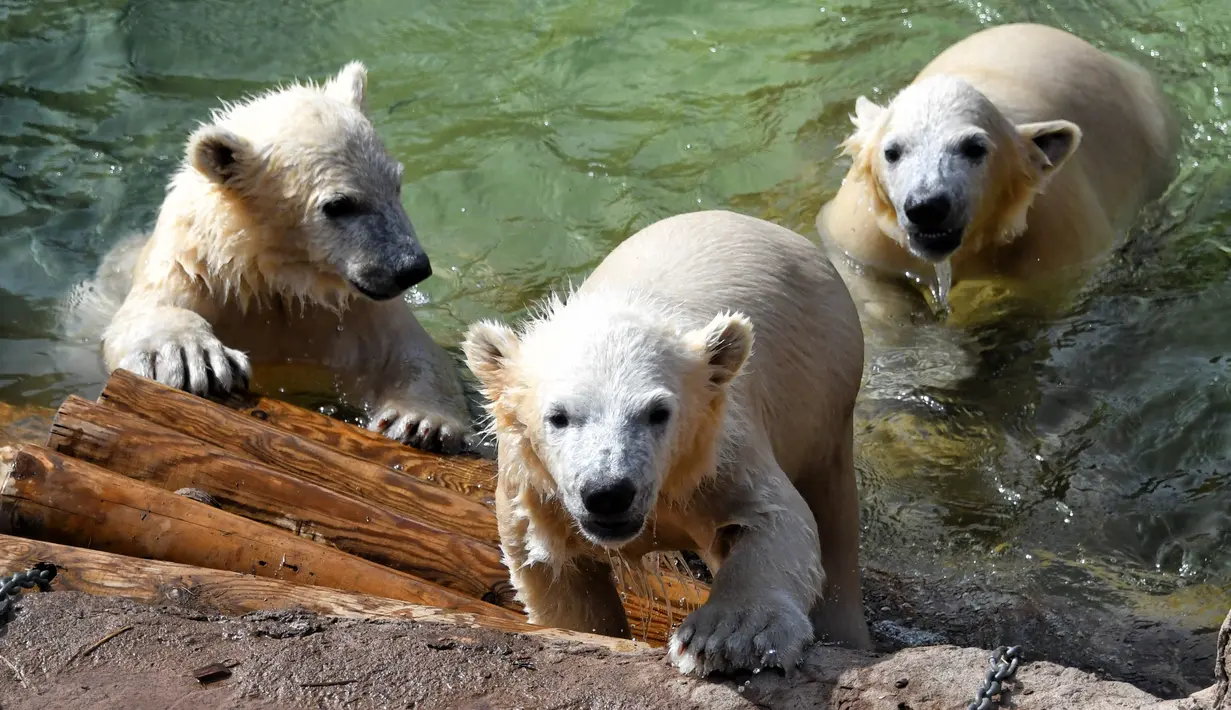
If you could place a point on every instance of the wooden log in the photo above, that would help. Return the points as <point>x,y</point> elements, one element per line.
<point>654,602</point>
<point>140,449</point>
<point>157,582</point>
<point>50,497</point>
<point>468,474</point>
<point>306,459</point>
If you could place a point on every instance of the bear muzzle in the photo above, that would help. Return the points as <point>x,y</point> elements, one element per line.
<point>381,283</point>
<point>935,246</point>
<point>933,227</point>
<point>610,518</point>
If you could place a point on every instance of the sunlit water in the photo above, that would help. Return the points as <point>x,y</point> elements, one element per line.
<point>1088,454</point>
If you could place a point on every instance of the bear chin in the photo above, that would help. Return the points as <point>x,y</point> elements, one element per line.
<point>614,534</point>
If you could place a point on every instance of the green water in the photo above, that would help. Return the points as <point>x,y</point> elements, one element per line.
<point>1091,454</point>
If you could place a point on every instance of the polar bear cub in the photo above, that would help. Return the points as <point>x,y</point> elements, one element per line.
<point>1017,152</point>
<point>282,238</point>
<point>638,416</point>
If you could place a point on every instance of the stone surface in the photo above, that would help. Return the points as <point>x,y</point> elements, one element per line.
<point>51,657</point>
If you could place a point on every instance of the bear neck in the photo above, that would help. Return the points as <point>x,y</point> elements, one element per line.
<point>204,234</point>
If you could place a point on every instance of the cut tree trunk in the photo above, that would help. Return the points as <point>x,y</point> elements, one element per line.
<point>155,582</point>
<point>466,474</point>
<point>304,458</point>
<point>140,449</point>
<point>46,496</point>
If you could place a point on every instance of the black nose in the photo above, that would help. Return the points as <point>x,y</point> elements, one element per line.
<point>929,214</point>
<point>416,271</point>
<point>609,498</point>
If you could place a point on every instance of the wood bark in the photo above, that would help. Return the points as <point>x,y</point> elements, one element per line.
<point>50,497</point>
<point>140,449</point>
<point>309,460</point>
<point>156,582</point>
<point>467,474</point>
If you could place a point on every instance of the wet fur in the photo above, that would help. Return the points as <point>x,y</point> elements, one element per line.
<point>759,476</point>
<point>241,265</point>
<point>1034,218</point>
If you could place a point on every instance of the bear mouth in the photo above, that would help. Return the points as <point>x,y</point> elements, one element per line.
<point>935,246</point>
<point>374,295</point>
<point>612,533</point>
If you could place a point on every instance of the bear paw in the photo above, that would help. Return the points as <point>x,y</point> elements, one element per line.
<point>725,637</point>
<point>198,364</point>
<point>420,429</point>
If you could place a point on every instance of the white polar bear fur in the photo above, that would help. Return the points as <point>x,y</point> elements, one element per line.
<point>1077,142</point>
<point>286,209</point>
<point>751,465</point>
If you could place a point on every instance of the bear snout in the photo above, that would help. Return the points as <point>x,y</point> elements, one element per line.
<point>929,213</point>
<point>609,499</point>
<point>385,281</point>
<point>934,227</point>
<point>609,517</point>
<point>414,272</point>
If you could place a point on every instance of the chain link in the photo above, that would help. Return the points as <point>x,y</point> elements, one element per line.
<point>1003,663</point>
<point>40,575</point>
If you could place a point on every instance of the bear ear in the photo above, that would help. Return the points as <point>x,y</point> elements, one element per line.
<point>350,85</point>
<point>867,113</point>
<point>866,118</point>
<point>724,345</point>
<point>1050,143</point>
<point>221,155</point>
<point>489,347</point>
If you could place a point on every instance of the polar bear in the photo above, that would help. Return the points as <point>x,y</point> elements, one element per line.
<point>638,416</point>
<point>282,238</point>
<point>1016,153</point>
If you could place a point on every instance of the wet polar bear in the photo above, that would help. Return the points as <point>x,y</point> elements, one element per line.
<point>1017,152</point>
<point>283,238</point>
<point>639,417</point>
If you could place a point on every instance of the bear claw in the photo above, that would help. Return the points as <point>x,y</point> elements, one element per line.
<point>422,431</point>
<point>199,367</point>
<point>726,638</point>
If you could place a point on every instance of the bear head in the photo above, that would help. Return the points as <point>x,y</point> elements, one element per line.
<point>946,169</point>
<point>307,183</point>
<point>607,406</point>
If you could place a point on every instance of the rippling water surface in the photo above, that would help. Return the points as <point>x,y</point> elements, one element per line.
<point>1090,453</point>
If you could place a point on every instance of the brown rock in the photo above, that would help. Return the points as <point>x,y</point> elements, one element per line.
<point>293,660</point>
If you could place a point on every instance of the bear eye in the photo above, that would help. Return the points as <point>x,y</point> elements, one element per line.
<point>892,153</point>
<point>658,415</point>
<point>557,419</point>
<point>340,207</point>
<point>973,149</point>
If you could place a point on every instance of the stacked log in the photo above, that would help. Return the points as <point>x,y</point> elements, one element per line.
<point>302,501</point>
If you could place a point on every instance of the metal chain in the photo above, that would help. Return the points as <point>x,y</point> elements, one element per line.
<point>40,575</point>
<point>1003,663</point>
